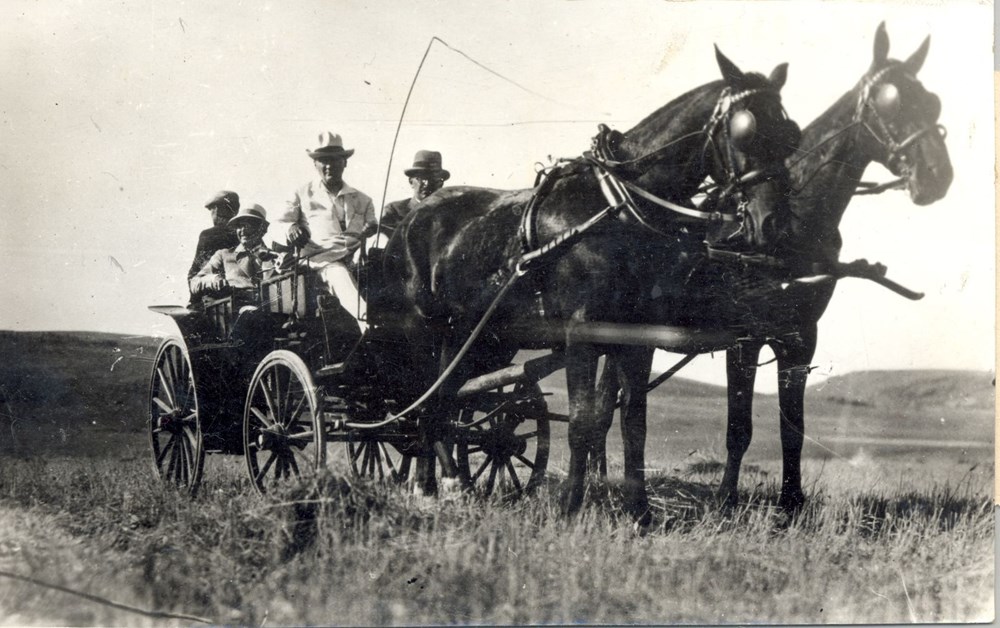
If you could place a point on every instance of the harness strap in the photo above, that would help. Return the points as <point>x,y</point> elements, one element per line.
<point>714,216</point>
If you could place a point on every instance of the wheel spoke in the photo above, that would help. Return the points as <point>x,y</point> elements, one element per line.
<point>482,468</point>
<point>292,465</point>
<point>491,481</point>
<point>294,415</point>
<point>189,393</point>
<point>377,461</point>
<point>513,475</point>
<point>286,398</point>
<point>163,452</point>
<point>265,387</point>
<point>528,463</point>
<point>163,406</point>
<point>302,438</point>
<point>171,466</point>
<point>166,388</point>
<point>258,479</point>
<point>358,449</point>
<point>388,461</point>
<point>260,416</point>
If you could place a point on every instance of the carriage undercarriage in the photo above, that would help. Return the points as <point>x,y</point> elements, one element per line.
<point>293,388</point>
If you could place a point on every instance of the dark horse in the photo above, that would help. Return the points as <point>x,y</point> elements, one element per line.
<point>461,253</point>
<point>887,117</point>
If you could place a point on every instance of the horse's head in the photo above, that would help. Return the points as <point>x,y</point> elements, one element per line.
<point>747,139</point>
<point>901,118</point>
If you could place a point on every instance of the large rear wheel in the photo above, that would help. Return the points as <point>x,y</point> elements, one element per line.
<point>283,431</point>
<point>503,441</point>
<point>174,423</point>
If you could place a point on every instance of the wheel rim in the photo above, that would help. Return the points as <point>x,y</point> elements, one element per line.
<point>505,451</point>
<point>174,422</point>
<point>374,459</point>
<point>283,434</point>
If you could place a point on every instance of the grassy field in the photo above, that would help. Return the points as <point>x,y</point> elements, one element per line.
<point>899,526</point>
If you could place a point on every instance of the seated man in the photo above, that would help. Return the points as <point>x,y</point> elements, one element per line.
<point>238,270</point>
<point>329,220</point>
<point>426,176</point>
<point>223,205</point>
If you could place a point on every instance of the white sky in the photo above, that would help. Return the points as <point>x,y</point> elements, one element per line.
<point>120,119</point>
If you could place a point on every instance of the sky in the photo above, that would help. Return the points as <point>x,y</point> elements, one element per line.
<point>119,120</point>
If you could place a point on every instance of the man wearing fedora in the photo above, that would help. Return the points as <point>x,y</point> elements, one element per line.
<point>426,176</point>
<point>238,270</point>
<point>329,220</point>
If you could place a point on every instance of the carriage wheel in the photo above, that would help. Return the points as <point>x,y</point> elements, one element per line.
<point>374,459</point>
<point>506,450</point>
<point>283,433</point>
<point>174,424</point>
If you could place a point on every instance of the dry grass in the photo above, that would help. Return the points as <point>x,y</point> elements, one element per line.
<point>335,551</point>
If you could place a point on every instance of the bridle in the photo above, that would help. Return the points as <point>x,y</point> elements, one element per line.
<point>616,176</point>
<point>881,131</point>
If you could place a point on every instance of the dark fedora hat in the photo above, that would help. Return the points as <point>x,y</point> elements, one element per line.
<point>427,162</point>
<point>330,145</point>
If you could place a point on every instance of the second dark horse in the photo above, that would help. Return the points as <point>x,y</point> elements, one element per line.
<point>888,117</point>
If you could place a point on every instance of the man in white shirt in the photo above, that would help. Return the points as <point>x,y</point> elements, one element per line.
<point>330,220</point>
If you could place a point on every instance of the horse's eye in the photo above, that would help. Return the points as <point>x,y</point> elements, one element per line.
<point>742,128</point>
<point>886,100</point>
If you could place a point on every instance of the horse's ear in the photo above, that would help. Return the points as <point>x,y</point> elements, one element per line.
<point>881,48</point>
<point>778,75</point>
<point>729,70</point>
<point>916,60</point>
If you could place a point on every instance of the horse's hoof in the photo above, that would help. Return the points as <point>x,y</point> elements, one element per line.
<point>791,503</point>
<point>727,501</point>
<point>642,523</point>
<point>571,501</point>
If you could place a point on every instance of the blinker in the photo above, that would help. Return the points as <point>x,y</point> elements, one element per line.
<point>742,129</point>
<point>886,100</point>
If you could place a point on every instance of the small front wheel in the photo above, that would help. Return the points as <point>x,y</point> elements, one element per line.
<point>283,430</point>
<point>374,459</point>
<point>503,443</point>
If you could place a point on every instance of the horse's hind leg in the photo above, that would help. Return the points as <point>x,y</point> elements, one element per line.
<point>741,371</point>
<point>581,371</point>
<point>794,358</point>
<point>634,367</point>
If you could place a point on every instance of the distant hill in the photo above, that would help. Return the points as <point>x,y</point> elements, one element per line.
<point>58,387</point>
<point>910,388</point>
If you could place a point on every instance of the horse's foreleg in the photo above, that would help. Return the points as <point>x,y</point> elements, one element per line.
<point>581,371</point>
<point>633,367</point>
<point>794,358</point>
<point>436,429</point>
<point>741,371</point>
<point>607,397</point>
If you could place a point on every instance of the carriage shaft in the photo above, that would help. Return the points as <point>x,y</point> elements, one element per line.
<point>669,338</point>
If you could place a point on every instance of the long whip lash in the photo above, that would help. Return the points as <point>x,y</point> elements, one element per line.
<point>420,67</point>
